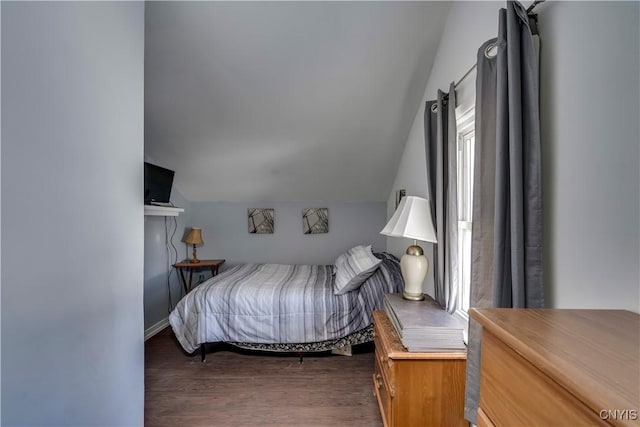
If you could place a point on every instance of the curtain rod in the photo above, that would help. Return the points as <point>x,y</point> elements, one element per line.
<point>473,67</point>
<point>533,5</point>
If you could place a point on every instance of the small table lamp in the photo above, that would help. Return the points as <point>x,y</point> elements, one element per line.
<point>194,238</point>
<point>412,220</point>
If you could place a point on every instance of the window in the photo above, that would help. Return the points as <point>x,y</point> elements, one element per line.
<point>465,144</point>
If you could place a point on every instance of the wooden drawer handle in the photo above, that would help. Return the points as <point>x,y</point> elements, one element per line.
<point>380,384</point>
<point>384,360</point>
<point>379,381</point>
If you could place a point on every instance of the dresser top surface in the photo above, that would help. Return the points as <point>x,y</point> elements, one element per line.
<point>595,354</point>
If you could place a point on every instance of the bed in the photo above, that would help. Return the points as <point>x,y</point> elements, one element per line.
<point>289,308</point>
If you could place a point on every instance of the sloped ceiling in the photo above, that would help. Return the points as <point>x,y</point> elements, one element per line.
<point>285,101</point>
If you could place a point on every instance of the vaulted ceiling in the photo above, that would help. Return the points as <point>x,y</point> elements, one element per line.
<point>285,101</point>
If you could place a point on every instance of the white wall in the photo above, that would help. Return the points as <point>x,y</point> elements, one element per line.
<point>158,295</point>
<point>225,234</point>
<point>589,108</point>
<point>468,25</point>
<point>224,229</point>
<point>590,97</point>
<point>72,215</point>
<point>0,213</point>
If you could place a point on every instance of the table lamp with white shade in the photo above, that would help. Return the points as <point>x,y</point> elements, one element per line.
<point>412,220</point>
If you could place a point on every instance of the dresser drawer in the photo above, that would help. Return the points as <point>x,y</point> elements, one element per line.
<point>383,360</point>
<point>381,355</point>
<point>514,392</point>
<point>383,394</point>
<point>483,420</point>
<point>380,343</point>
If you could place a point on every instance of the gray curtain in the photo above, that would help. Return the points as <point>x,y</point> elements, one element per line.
<point>440,146</point>
<point>506,249</point>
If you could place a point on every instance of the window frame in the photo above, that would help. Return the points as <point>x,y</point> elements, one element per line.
<point>465,148</point>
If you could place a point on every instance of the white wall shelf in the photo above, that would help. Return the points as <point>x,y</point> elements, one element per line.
<point>152,210</point>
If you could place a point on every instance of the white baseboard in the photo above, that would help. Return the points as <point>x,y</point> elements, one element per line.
<point>158,327</point>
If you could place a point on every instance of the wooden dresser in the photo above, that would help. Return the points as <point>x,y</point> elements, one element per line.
<point>544,367</point>
<point>416,389</point>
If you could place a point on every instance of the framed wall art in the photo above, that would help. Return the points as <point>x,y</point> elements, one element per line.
<point>315,220</point>
<point>261,221</point>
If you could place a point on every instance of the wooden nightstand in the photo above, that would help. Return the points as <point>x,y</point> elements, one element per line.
<point>416,389</point>
<point>213,264</point>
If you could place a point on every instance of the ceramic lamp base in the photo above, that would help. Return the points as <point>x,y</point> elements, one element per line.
<point>414,269</point>
<point>413,297</point>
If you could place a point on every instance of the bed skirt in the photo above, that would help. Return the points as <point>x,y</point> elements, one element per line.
<point>359,337</point>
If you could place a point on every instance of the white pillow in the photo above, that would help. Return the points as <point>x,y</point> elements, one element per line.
<point>353,268</point>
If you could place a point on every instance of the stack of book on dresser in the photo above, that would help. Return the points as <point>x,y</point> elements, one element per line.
<point>424,326</point>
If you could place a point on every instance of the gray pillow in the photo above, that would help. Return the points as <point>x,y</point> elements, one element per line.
<point>353,267</point>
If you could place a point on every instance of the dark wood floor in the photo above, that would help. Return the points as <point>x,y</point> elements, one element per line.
<point>234,389</point>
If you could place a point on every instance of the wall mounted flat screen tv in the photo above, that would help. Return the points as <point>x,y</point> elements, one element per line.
<point>157,184</point>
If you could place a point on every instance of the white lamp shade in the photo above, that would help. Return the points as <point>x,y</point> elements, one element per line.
<point>412,220</point>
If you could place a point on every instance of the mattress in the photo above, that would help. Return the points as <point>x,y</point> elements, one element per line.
<point>280,304</point>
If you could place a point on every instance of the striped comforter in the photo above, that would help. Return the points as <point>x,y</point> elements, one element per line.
<point>275,303</point>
